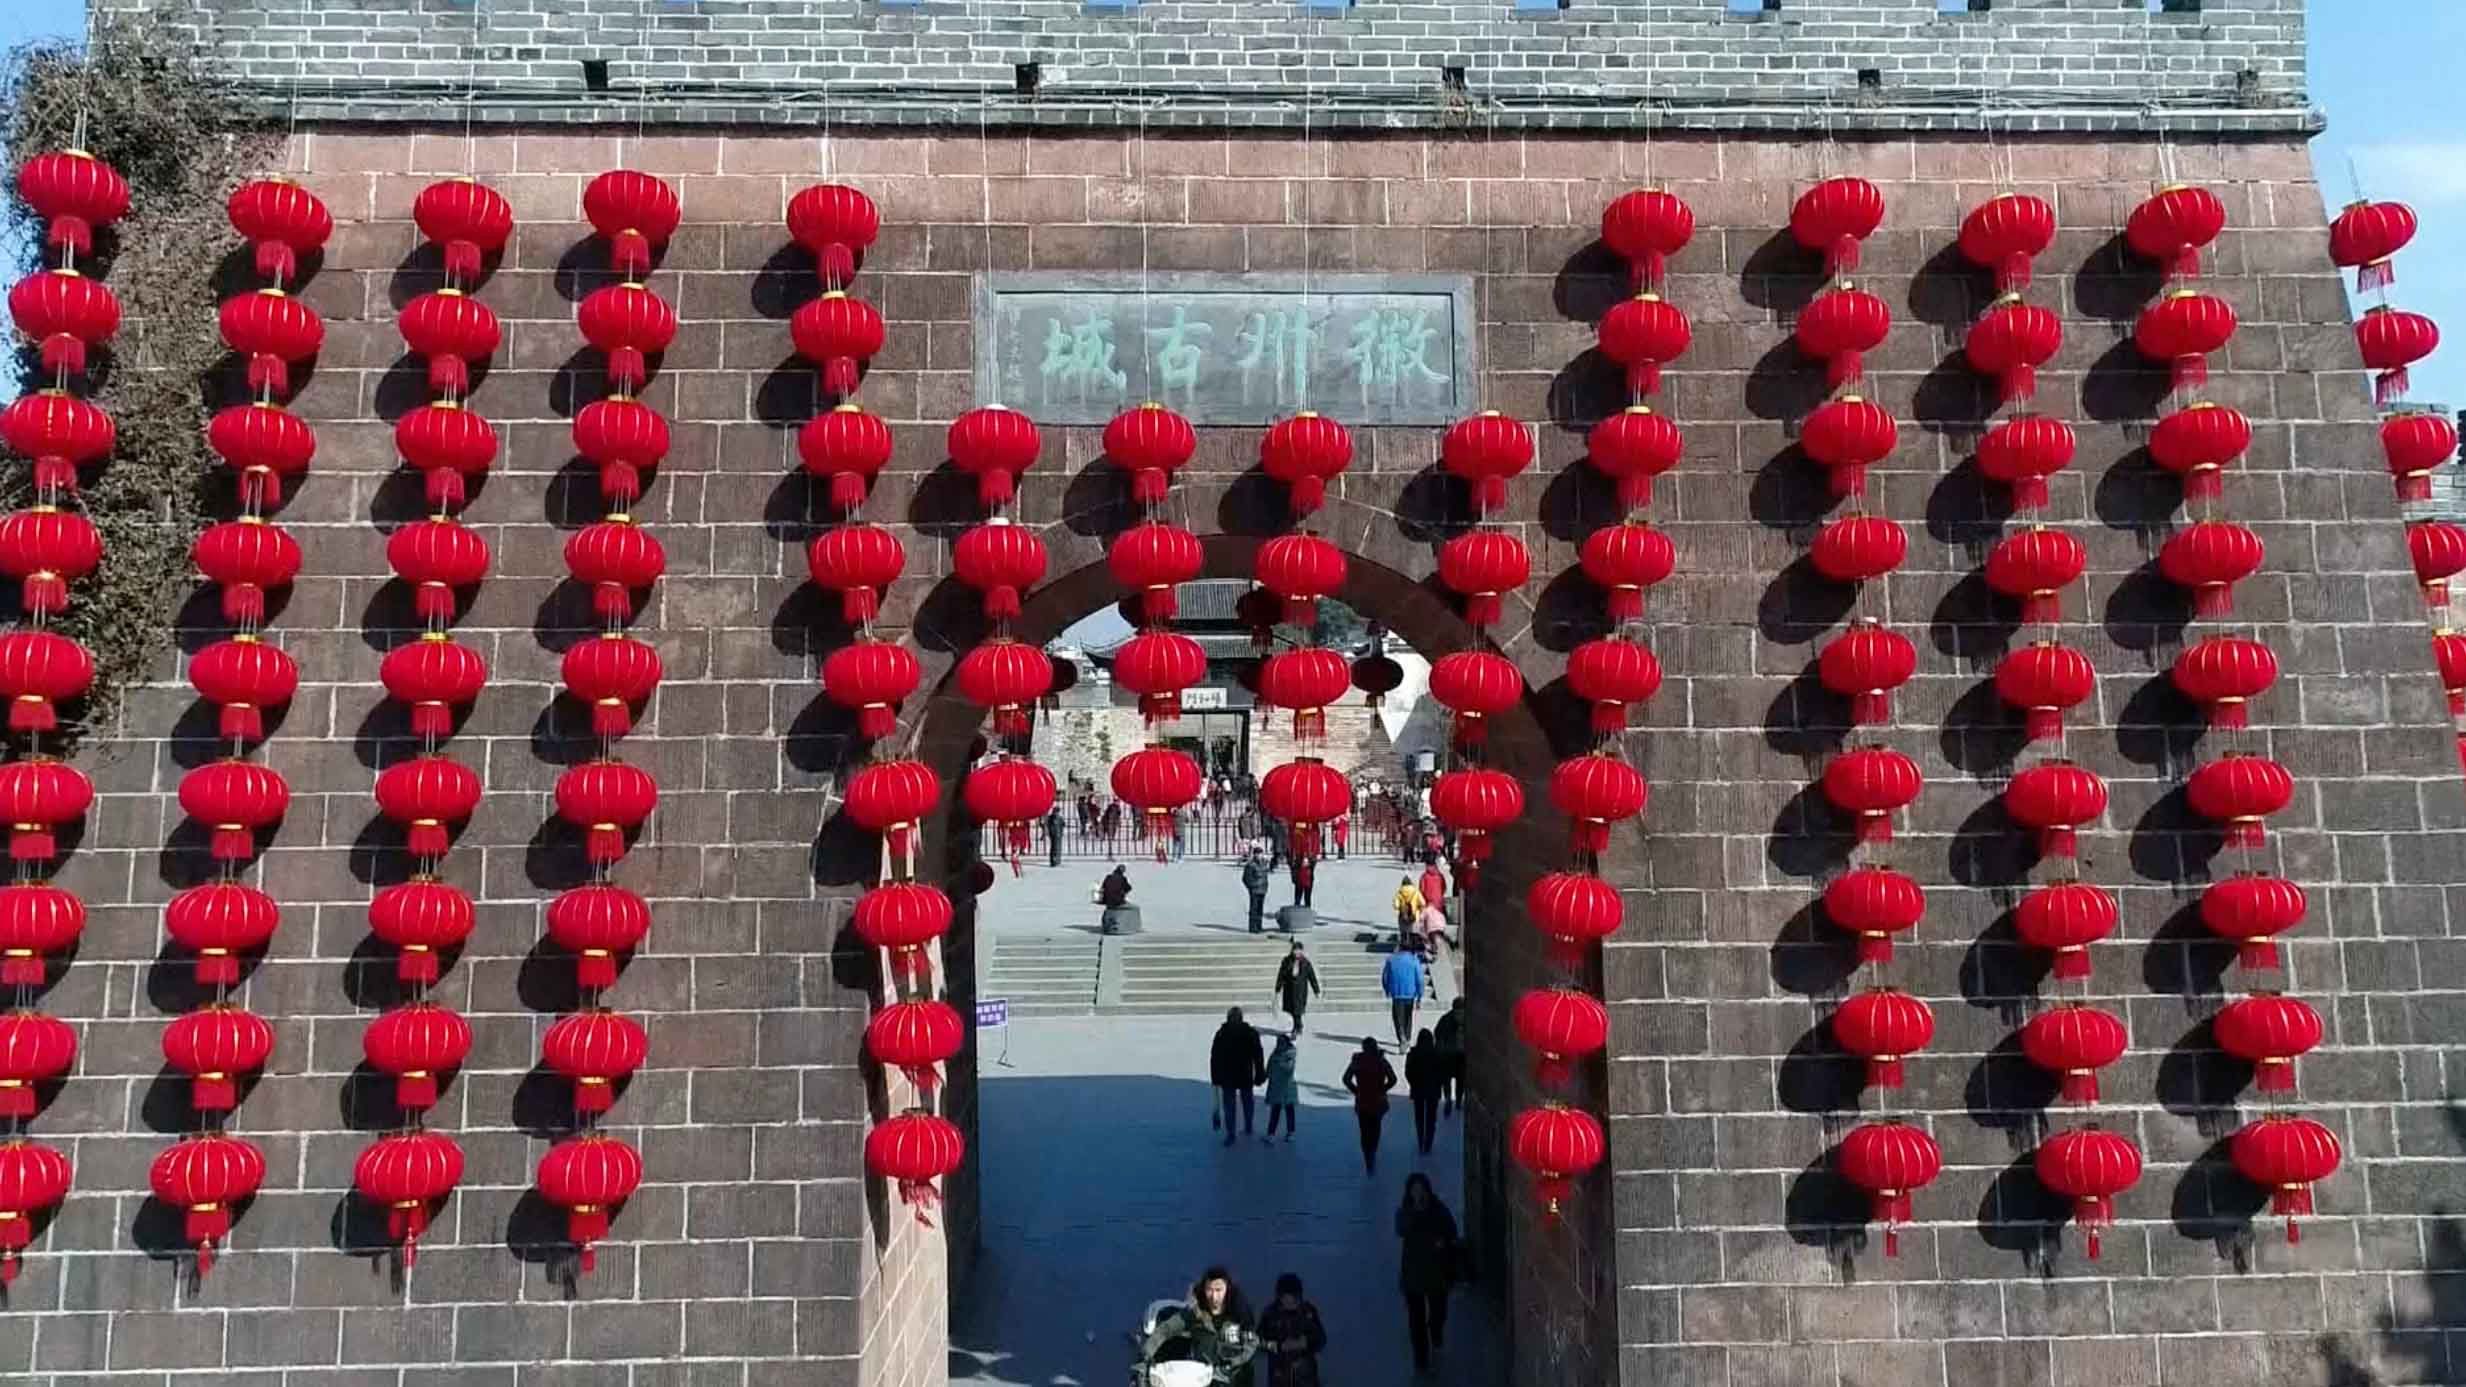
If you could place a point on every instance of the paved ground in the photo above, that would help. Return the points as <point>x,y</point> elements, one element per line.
<point>1192,896</point>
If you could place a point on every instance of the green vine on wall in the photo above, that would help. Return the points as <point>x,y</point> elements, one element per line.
<point>137,97</point>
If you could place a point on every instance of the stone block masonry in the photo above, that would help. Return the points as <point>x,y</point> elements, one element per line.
<point>757,1255</point>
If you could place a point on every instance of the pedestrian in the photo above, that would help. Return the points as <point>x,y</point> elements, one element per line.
<point>1283,1092</point>
<point>1115,892</point>
<point>1432,845</point>
<point>1432,927</point>
<point>1297,981</point>
<point>1451,1050</point>
<point>1255,876</point>
<point>1211,1327</point>
<point>1408,906</point>
<point>1405,982</point>
<point>1305,872</point>
<point>1343,832</point>
<point>1236,1065</point>
<point>1274,828</point>
<point>1292,1336</point>
<point>1181,832</point>
<point>1425,1077</point>
<point>1368,1078</point>
<point>1053,835</point>
<point>1433,888</point>
<point>1112,819</point>
<point>1431,1255</point>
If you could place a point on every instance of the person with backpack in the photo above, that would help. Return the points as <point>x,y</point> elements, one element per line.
<point>1408,907</point>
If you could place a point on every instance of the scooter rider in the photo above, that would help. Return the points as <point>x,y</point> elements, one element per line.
<point>1211,1327</point>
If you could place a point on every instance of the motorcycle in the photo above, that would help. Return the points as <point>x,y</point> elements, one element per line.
<point>1178,1372</point>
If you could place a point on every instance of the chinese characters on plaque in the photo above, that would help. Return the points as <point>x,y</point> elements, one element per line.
<point>1229,348</point>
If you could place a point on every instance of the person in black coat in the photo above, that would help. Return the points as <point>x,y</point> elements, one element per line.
<point>1431,1253</point>
<point>1292,1336</point>
<point>1236,1064</point>
<point>1425,1077</point>
<point>1297,981</point>
<point>1115,892</point>
<point>1368,1078</point>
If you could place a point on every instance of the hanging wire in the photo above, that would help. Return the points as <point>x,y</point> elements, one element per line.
<point>1139,183</point>
<point>470,88</point>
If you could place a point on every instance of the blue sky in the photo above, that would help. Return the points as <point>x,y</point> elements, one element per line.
<point>2380,67</point>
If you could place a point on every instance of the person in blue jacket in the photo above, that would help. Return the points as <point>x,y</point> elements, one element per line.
<point>1405,982</point>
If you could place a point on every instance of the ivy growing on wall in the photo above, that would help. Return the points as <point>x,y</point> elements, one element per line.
<point>136,96</point>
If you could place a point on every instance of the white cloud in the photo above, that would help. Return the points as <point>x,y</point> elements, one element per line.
<point>2420,173</point>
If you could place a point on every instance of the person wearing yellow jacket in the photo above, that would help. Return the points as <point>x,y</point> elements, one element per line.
<point>1408,909</point>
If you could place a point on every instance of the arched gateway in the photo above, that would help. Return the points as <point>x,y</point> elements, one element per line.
<point>1132,165</point>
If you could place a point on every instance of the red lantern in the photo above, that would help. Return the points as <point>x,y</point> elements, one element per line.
<point>468,218</point>
<point>246,556</point>
<point>1869,784</point>
<point>283,221</point>
<point>1301,569</point>
<point>2075,1042</point>
<point>2210,558</point>
<point>2197,442</point>
<point>890,797</point>
<point>1864,665</point>
<point>2174,225</point>
<point>245,676</point>
<point>1306,681</point>
<point>1151,443</point>
<point>1153,559</point>
<point>426,795</point>
<point>2252,909</point>
<point>606,799</point>
<point>917,1038</point>
<point>2449,655</point>
<point>616,558</point>
<point>837,223</point>
<point>1156,781</point>
<point>65,315</point>
<point>1595,791</point>
<point>595,924</point>
<point>2042,680</point>
<point>2416,442</point>
<point>2286,1156</point>
<point>625,438</point>
<point>1847,436</point>
<point>264,443</point>
<point>274,331</point>
<point>2004,234</point>
<point>203,1176</point>
<point>235,799</point>
<point>2437,547</point>
<point>873,678</point>
<point>2240,791</point>
<point>1883,1026</point>
<point>839,334</point>
<point>1645,228</point>
<point>421,918</point>
<point>60,432</point>
<point>2065,918</point>
<point>417,1044</point>
<point>1574,910</point>
<point>847,446</point>
<point>1624,560</point>
<point>994,445</point>
<point>1612,675</point>
<point>1157,666</point>
<point>597,1049</point>
<point>1306,452</point>
<point>2269,1031</point>
<point>37,794</point>
<point>214,1046</point>
<point>1631,448</point>
<point>1839,328</point>
<point>1874,904</point>
<point>901,918</point>
<point>2022,452</point>
<point>1475,685</point>
<point>39,670</point>
<point>1480,565</point>
<point>2393,340</point>
<point>1890,1160</point>
<point>1476,803</point>
<point>857,562</point>
<point>1001,561</point>
<point>1834,216</point>
<point>1856,548</point>
<point>1305,793</point>
<point>626,323</point>
<point>1558,1146</point>
<point>912,1151</point>
<point>2182,329</point>
<point>218,922</point>
<point>636,213</point>
<point>611,673</point>
<point>1484,452</point>
<point>1562,1025</point>
<point>34,1049</point>
<point>433,676</point>
<point>589,1177</point>
<point>2010,343</point>
<point>1643,334</point>
<point>452,330</point>
<point>2054,799</point>
<point>33,1177</point>
<point>2365,236</point>
<point>448,445</point>
<point>2089,1166</point>
<point>406,1173</point>
<point>439,558</point>
<point>73,193</point>
<point>1005,677</point>
<point>36,918</point>
<point>2224,674</point>
<point>1014,793</point>
<point>2035,565</point>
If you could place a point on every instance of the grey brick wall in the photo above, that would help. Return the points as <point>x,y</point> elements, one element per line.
<point>2043,64</point>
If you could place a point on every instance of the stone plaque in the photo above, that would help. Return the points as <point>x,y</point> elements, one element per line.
<point>1227,348</point>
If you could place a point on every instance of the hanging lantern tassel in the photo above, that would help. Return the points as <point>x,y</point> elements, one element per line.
<point>2093,1212</point>
<point>1309,493</point>
<point>922,1196</point>
<point>1310,724</point>
<point>1892,1208</point>
<point>1306,841</point>
<point>585,1225</point>
<point>1591,836</point>
<point>206,1224</point>
<point>405,1221</point>
<point>2291,1202</point>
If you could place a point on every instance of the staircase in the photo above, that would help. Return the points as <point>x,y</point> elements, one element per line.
<point>1040,975</point>
<point>1176,975</point>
